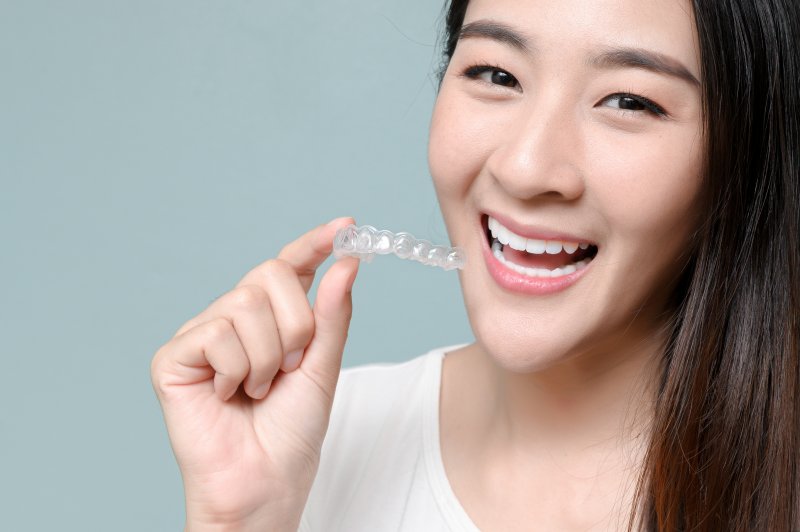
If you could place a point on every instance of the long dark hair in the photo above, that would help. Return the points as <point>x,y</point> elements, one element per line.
<point>725,439</point>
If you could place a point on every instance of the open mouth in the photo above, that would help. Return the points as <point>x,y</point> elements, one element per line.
<point>537,257</point>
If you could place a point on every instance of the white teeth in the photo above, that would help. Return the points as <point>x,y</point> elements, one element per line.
<point>531,245</point>
<point>517,242</point>
<point>536,246</point>
<point>537,272</point>
<point>503,235</point>
<point>553,247</point>
<point>570,247</point>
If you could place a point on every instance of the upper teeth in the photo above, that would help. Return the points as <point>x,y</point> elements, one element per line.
<point>531,245</point>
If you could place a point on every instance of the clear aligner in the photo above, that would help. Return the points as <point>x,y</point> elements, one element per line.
<point>365,242</point>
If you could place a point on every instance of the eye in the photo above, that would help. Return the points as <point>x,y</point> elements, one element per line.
<point>493,75</point>
<point>631,102</point>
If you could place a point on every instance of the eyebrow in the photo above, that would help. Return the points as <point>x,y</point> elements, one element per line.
<point>497,32</point>
<point>645,59</point>
<point>609,58</point>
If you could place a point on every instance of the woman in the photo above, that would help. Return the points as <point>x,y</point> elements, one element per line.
<point>623,176</point>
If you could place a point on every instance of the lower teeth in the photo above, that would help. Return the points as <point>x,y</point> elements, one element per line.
<point>497,251</point>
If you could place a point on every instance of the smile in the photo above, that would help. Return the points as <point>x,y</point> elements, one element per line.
<point>538,257</point>
<point>534,263</point>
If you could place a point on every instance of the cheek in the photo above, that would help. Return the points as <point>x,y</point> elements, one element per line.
<point>456,146</point>
<point>649,189</point>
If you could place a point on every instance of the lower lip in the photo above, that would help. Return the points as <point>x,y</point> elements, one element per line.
<point>523,284</point>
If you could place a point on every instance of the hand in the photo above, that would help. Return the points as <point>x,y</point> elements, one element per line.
<point>246,387</point>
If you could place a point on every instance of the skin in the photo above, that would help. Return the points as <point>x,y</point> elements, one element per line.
<point>542,417</point>
<point>246,420</point>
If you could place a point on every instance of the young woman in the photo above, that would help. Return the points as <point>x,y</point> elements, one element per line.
<point>623,176</point>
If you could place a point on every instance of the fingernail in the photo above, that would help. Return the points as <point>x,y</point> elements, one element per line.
<point>261,391</point>
<point>293,359</point>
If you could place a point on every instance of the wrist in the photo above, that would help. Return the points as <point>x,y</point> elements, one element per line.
<point>276,522</point>
<point>278,516</point>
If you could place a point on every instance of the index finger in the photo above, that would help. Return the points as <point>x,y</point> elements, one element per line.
<point>306,253</point>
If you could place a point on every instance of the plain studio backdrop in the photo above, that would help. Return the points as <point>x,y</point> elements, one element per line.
<point>151,153</point>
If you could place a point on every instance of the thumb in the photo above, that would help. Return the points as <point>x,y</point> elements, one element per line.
<point>333,308</point>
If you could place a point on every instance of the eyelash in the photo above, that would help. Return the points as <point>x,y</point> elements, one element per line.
<point>652,107</point>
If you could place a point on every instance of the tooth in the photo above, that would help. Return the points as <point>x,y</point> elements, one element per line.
<point>583,245</point>
<point>503,235</point>
<point>539,272</point>
<point>493,226</point>
<point>535,246</point>
<point>570,247</point>
<point>516,242</point>
<point>553,247</point>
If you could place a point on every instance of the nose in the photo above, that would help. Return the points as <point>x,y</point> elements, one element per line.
<point>538,153</point>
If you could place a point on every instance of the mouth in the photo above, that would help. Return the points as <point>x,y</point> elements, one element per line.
<point>537,256</point>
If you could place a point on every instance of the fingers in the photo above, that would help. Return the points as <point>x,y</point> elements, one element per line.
<point>293,315</point>
<point>280,302</point>
<point>252,318</point>
<point>191,358</point>
<point>241,345</point>
<point>304,254</point>
<point>333,310</point>
<point>266,324</point>
<point>273,327</point>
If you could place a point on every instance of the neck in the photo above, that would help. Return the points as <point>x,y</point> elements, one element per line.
<point>597,399</point>
<point>572,432</point>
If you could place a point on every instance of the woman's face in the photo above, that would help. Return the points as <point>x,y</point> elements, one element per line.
<point>564,125</point>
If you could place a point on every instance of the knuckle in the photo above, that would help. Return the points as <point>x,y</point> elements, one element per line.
<point>216,330</point>
<point>157,370</point>
<point>155,363</point>
<point>300,331</point>
<point>250,297</point>
<point>277,268</point>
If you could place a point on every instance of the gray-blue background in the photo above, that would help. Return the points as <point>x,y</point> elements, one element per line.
<point>151,152</point>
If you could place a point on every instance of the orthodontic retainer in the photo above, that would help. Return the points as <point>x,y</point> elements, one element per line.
<point>365,242</point>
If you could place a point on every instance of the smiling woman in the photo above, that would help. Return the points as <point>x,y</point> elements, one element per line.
<point>597,123</point>
<point>623,177</point>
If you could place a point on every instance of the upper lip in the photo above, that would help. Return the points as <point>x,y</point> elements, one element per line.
<point>538,232</point>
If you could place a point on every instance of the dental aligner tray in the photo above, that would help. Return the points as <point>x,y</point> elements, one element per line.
<point>365,242</point>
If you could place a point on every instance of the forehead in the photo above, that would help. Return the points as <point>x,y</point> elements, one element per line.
<point>581,26</point>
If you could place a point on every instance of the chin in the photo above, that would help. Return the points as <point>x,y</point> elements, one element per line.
<point>518,345</point>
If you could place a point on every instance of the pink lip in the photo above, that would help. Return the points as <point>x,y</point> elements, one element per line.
<point>517,282</point>
<point>532,231</point>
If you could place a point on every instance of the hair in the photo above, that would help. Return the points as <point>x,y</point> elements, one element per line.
<point>725,435</point>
